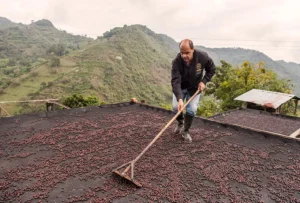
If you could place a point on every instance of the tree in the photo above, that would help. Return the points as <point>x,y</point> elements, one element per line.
<point>12,62</point>
<point>231,82</point>
<point>25,61</point>
<point>77,100</point>
<point>57,49</point>
<point>91,100</point>
<point>4,62</point>
<point>223,73</point>
<point>60,50</point>
<point>54,62</point>
<point>43,85</point>
<point>209,106</point>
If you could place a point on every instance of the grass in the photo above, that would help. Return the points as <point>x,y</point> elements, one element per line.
<point>143,73</point>
<point>30,83</point>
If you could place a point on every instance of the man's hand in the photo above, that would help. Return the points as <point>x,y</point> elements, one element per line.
<point>180,105</point>
<point>201,86</point>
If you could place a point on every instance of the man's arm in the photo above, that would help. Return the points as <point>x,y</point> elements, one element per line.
<point>210,70</point>
<point>176,80</point>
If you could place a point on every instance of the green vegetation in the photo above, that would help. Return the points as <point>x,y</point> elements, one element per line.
<point>231,82</point>
<point>127,62</point>
<point>33,83</point>
<point>209,106</point>
<point>132,61</point>
<point>5,23</point>
<point>237,56</point>
<point>57,49</point>
<point>54,62</point>
<point>77,100</point>
<point>37,61</point>
<point>24,47</point>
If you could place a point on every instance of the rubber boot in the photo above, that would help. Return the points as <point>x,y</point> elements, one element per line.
<point>179,128</point>
<point>188,120</point>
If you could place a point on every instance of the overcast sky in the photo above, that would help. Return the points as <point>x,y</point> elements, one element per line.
<point>269,26</point>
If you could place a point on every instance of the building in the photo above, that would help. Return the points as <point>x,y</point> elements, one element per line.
<point>267,100</point>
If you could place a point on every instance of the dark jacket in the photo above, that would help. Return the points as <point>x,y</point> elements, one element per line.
<point>188,77</point>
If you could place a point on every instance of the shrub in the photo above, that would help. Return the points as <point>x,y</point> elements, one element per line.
<point>54,62</point>
<point>77,100</point>
<point>15,83</point>
<point>34,74</point>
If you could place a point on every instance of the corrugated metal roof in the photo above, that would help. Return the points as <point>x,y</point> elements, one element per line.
<point>266,98</point>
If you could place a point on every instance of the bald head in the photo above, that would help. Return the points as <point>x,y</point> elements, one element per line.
<point>186,47</point>
<point>186,42</point>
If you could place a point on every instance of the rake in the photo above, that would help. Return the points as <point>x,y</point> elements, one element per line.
<point>129,167</point>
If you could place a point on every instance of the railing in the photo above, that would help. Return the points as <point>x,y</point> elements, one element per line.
<point>49,104</point>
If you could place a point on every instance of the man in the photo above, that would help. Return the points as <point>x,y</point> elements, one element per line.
<point>188,76</point>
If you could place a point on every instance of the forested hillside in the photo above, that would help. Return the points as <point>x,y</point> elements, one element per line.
<point>39,61</point>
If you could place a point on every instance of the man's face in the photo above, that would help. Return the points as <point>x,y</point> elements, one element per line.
<point>186,53</point>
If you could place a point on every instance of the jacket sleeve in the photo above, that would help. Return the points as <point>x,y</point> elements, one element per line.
<point>210,70</point>
<point>176,79</point>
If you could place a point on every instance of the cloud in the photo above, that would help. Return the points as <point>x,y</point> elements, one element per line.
<point>58,12</point>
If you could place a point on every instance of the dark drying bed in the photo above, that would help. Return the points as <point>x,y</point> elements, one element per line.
<point>260,120</point>
<point>68,156</point>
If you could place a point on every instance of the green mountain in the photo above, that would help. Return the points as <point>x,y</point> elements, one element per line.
<point>290,65</point>
<point>19,41</point>
<point>5,23</point>
<point>294,73</point>
<point>237,56</point>
<point>129,61</point>
<point>126,62</point>
<point>24,47</point>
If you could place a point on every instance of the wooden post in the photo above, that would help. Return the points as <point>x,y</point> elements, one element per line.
<point>296,106</point>
<point>49,106</point>
<point>1,108</point>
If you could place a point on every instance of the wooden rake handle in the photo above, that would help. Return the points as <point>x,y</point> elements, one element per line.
<point>160,133</point>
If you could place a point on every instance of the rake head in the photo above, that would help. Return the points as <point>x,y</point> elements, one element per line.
<point>125,176</point>
<point>123,173</point>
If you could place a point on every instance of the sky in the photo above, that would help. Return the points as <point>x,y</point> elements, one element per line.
<point>269,26</point>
